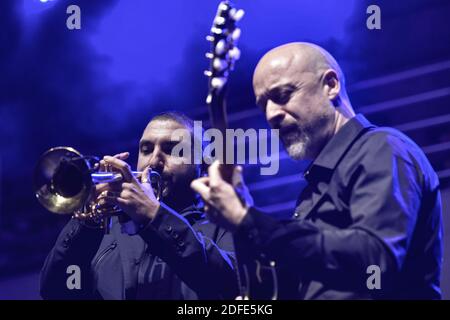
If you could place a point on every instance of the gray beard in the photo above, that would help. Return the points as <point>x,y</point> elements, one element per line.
<point>296,145</point>
<point>296,150</point>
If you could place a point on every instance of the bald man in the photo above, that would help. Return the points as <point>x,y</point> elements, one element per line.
<point>368,223</point>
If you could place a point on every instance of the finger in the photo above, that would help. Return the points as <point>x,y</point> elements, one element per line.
<point>122,156</point>
<point>113,186</point>
<point>107,194</point>
<point>125,194</point>
<point>122,166</point>
<point>214,173</point>
<point>106,202</point>
<point>201,188</point>
<point>122,201</point>
<point>99,188</point>
<point>103,165</point>
<point>204,180</point>
<point>128,186</point>
<point>145,177</point>
<point>237,178</point>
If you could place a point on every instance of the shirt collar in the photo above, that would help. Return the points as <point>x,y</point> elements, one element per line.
<point>195,211</point>
<point>338,145</point>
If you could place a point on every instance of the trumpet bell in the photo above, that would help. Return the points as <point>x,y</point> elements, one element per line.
<point>62,180</point>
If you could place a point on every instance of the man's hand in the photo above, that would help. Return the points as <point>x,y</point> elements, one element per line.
<point>224,205</point>
<point>135,198</point>
<point>101,189</point>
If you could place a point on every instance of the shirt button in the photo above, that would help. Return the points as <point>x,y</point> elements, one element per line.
<point>181,244</point>
<point>169,229</point>
<point>175,236</point>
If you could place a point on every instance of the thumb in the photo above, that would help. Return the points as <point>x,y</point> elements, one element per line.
<point>237,177</point>
<point>145,176</point>
<point>146,184</point>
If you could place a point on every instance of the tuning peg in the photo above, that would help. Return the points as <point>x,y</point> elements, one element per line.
<point>219,20</point>
<point>218,83</point>
<point>223,6</point>
<point>216,30</point>
<point>236,15</point>
<point>219,64</point>
<point>234,53</point>
<point>220,47</point>
<point>207,73</point>
<point>209,38</point>
<point>209,55</point>
<point>236,34</point>
<point>209,99</point>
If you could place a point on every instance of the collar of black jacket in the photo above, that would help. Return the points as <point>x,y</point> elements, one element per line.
<point>193,213</point>
<point>327,160</point>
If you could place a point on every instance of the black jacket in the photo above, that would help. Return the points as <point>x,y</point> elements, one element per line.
<point>372,199</point>
<point>177,256</point>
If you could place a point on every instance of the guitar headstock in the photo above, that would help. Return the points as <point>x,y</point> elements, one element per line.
<point>224,52</point>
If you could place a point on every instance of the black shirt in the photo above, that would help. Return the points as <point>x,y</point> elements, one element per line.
<point>372,201</point>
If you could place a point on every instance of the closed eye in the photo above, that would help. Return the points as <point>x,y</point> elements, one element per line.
<point>281,95</point>
<point>146,148</point>
<point>167,147</point>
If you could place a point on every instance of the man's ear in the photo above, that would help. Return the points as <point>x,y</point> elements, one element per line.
<point>332,86</point>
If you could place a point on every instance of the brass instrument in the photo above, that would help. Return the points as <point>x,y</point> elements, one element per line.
<point>64,183</point>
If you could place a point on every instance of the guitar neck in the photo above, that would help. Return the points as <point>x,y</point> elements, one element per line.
<point>218,111</point>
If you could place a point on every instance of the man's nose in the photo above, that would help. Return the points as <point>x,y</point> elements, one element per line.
<point>274,114</point>
<point>156,161</point>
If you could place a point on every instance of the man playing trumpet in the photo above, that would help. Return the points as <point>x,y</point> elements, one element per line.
<point>173,254</point>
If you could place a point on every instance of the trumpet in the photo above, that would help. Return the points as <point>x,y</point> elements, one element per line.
<point>64,183</point>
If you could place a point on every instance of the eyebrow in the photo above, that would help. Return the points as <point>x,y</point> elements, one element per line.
<point>163,142</point>
<point>142,142</point>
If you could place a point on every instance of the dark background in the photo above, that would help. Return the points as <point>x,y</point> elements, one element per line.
<point>96,88</point>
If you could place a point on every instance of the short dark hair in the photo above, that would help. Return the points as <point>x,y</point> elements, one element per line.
<point>187,122</point>
<point>176,116</point>
<point>180,118</point>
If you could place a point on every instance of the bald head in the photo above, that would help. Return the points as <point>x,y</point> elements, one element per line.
<point>299,57</point>
<point>301,89</point>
